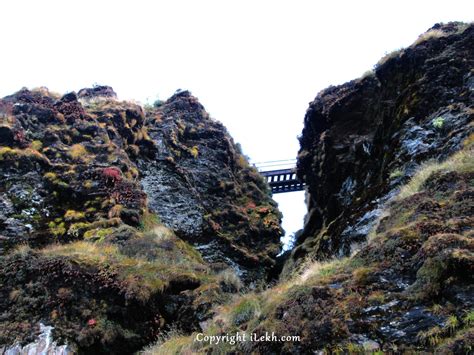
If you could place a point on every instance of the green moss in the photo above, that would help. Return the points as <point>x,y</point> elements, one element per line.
<point>57,228</point>
<point>396,174</point>
<point>78,151</point>
<point>72,216</point>
<point>98,235</point>
<point>452,323</point>
<point>438,123</point>
<point>36,145</point>
<point>429,278</point>
<point>7,153</point>
<point>194,151</point>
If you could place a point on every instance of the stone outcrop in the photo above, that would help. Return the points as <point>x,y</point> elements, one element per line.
<point>361,140</point>
<point>385,261</point>
<point>117,222</point>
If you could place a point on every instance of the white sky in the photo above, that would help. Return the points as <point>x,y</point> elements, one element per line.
<point>255,65</point>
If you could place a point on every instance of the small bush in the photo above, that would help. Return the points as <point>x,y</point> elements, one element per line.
<point>438,123</point>
<point>72,215</point>
<point>77,151</point>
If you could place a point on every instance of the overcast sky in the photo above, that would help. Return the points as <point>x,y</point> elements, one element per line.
<point>255,65</point>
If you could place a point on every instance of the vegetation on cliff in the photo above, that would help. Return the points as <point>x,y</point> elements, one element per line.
<point>385,262</point>
<point>409,289</point>
<point>91,243</point>
<point>121,225</point>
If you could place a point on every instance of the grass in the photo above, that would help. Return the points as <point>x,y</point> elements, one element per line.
<point>172,344</point>
<point>462,161</point>
<point>7,153</point>
<point>429,35</point>
<point>388,56</point>
<point>141,276</point>
<point>260,310</point>
<point>246,309</point>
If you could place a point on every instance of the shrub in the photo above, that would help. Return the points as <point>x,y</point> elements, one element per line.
<point>77,151</point>
<point>194,152</point>
<point>438,123</point>
<point>57,228</point>
<point>72,215</point>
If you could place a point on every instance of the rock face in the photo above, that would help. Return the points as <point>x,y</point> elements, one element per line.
<point>364,138</point>
<point>385,262</point>
<point>201,187</point>
<point>118,221</point>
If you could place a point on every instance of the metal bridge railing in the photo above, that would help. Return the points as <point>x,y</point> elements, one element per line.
<point>280,175</point>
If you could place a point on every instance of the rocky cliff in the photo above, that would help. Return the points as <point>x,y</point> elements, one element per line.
<point>118,221</point>
<point>385,261</point>
<point>363,139</point>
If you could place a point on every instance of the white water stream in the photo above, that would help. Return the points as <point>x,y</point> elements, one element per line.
<point>43,345</point>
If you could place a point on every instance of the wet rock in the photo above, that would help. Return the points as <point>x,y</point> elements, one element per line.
<point>410,324</point>
<point>364,138</point>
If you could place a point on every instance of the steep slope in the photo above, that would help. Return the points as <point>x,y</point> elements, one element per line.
<point>386,258</point>
<point>101,202</point>
<point>409,289</point>
<point>361,140</point>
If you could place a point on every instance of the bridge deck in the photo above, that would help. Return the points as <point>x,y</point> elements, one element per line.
<point>283,180</point>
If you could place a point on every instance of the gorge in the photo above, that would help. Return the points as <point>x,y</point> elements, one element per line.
<point>130,228</point>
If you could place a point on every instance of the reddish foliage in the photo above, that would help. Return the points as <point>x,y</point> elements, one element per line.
<point>112,174</point>
<point>251,205</point>
<point>216,227</point>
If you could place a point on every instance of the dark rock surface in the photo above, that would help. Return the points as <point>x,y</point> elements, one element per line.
<point>201,186</point>
<point>100,204</point>
<point>364,138</point>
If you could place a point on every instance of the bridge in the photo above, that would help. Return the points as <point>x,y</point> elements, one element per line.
<point>280,175</point>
